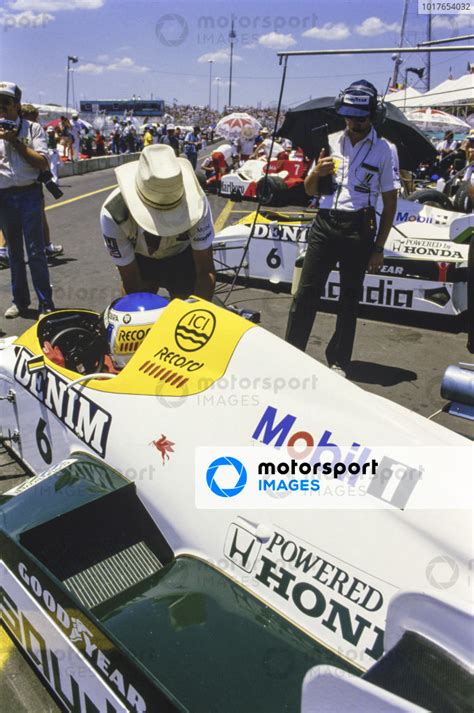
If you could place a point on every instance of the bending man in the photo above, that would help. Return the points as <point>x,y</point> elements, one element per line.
<point>158,227</point>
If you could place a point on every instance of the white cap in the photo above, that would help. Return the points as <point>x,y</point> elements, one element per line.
<point>10,89</point>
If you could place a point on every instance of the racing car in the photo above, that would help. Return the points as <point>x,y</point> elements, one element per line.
<point>425,267</point>
<point>137,572</point>
<point>284,184</point>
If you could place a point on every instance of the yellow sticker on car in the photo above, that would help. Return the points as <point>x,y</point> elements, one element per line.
<point>184,353</point>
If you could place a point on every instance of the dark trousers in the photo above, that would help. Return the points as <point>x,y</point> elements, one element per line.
<point>192,158</point>
<point>333,237</point>
<point>177,273</point>
<point>21,219</point>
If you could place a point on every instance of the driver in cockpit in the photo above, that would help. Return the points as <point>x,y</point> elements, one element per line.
<point>104,344</point>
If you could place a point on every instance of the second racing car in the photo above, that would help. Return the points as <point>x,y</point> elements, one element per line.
<point>425,267</point>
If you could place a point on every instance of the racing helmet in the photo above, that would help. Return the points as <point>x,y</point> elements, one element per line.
<point>127,322</point>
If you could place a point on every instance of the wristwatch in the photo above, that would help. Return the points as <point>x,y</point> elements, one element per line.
<point>378,249</point>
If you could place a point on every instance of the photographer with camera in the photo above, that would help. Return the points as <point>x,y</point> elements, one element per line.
<point>361,166</point>
<point>23,156</point>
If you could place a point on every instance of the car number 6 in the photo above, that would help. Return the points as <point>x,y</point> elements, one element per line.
<point>42,441</point>
<point>273,259</point>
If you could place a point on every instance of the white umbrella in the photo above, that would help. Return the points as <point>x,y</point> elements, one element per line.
<point>436,120</point>
<point>231,126</point>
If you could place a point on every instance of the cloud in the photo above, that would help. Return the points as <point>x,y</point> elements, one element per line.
<point>125,64</point>
<point>373,26</point>
<point>224,82</point>
<point>275,41</point>
<point>24,20</point>
<point>449,22</point>
<point>329,31</point>
<point>221,56</point>
<point>103,58</point>
<point>55,5</point>
<point>90,68</point>
<point>250,46</point>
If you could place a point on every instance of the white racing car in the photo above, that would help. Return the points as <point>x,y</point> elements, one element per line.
<point>425,267</point>
<point>142,573</point>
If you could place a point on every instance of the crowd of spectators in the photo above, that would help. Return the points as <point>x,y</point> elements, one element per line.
<point>86,136</point>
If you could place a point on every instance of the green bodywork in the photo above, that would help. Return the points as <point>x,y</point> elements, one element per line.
<point>187,633</point>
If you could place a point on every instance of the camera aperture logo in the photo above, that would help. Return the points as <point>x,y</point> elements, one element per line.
<point>171,30</point>
<point>215,483</point>
<point>442,572</point>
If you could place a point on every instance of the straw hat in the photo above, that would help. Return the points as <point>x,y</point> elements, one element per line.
<point>248,132</point>
<point>161,191</point>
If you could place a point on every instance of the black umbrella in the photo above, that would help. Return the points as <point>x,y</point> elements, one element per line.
<point>413,146</point>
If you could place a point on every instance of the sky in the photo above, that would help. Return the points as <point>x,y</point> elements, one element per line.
<point>162,50</point>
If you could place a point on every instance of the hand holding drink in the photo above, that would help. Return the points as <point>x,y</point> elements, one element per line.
<point>325,165</point>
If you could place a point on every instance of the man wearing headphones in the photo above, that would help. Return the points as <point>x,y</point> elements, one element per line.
<point>344,231</point>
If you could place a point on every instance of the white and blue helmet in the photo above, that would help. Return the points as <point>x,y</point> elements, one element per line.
<point>127,322</point>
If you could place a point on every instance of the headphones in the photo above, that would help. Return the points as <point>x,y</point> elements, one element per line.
<point>363,93</point>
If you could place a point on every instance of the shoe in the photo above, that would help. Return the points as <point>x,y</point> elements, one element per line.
<point>53,250</point>
<point>337,369</point>
<point>4,261</point>
<point>45,310</point>
<point>13,311</point>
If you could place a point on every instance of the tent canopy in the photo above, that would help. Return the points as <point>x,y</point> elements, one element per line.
<point>451,92</point>
<point>404,98</point>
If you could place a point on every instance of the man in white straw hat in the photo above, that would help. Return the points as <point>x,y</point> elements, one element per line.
<point>158,228</point>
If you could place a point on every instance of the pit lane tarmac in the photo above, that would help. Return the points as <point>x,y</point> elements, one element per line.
<point>399,356</point>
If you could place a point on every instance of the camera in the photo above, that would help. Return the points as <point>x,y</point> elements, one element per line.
<point>8,125</point>
<point>47,178</point>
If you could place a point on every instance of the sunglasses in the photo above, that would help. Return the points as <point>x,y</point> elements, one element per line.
<point>5,103</point>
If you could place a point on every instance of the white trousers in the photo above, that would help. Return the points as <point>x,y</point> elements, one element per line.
<point>53,162</point>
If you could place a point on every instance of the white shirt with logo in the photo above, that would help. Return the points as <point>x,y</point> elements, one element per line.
<point>15,171</point>
<point>126,239</point>
<point>362,171</point>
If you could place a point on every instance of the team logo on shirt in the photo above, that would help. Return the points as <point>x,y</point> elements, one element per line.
<point>112,247</point>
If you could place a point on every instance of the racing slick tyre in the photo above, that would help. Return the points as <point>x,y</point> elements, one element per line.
<point>462,200</point>
<point>270,191</point>
<point>431,196</point>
